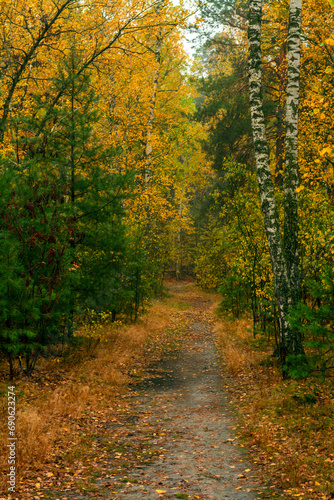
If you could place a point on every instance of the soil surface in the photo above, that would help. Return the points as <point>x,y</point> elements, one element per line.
<point>200,457</point>
<point>180,421</point>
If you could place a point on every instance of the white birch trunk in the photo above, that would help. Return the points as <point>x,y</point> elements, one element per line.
<point>289,343</point>
<point>291,172</point>
<point>153,100</point>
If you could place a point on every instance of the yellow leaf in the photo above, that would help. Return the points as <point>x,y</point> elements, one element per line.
<point>326,150</point>
<point>160,491</point>
<point>299,189</point>
<point>329,41</point>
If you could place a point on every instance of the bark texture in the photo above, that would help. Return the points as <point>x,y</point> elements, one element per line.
<point>280,131</point>
<point>291,172</point>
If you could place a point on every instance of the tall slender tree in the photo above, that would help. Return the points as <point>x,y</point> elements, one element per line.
<point>153,101</point>
<point>283,250</point>
<point>291,172</point>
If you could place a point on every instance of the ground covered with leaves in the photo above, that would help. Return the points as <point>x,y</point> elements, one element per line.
<point>140,415</point>
<point>150,412</point>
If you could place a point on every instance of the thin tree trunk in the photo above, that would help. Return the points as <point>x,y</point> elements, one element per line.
<point>151,113</point>
<point>11,368</point>
<point>178,249</point>
<point>279,148</point>
<point>291,172</point>
<point>73,130</point>
<point>153,100</point>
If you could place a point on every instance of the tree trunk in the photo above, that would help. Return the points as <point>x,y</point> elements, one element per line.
<point>280,118</point>
<point>289,341</point>
<point>178,248</point>
<point>153,101</point>
<point>291,172</point>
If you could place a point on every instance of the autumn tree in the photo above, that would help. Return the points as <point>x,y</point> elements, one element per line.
<point>35,26</point>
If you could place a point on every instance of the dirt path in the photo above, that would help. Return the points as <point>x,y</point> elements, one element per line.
<point>199,456</point>
<point>174,436</point>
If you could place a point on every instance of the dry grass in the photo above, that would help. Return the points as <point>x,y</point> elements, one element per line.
<point>234,343</point>
<point>65,396</point>
<point>288,425</point>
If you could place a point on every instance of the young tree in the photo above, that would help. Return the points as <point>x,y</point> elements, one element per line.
<point>35,277</point>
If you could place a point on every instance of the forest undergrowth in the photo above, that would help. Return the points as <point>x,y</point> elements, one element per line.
<point>286,424</point>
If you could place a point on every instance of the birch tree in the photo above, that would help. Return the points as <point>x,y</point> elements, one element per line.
<point>291,174</point>
<point>283,249</point>
<point>153,100</point>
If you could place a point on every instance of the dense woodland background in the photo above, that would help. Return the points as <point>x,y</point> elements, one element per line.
<point>123,161</point>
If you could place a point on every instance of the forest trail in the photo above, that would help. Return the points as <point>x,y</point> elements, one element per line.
<point>178,419</point>
<point>199,455</point>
